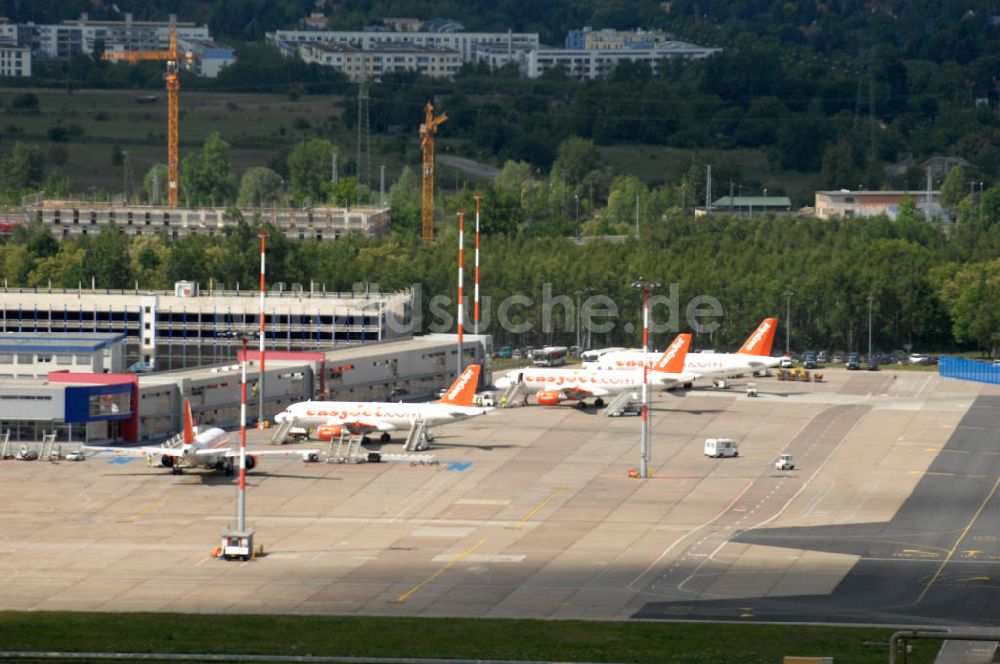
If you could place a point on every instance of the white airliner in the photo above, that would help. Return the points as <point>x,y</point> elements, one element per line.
<point>553,386</point>
<point>204,449</point>
<point>753,355</point>
<point>364,417</point>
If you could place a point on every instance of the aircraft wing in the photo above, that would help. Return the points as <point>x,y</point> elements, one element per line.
<point>292,451</point>
<point>578,393</point>
<point>362,427</point>
<point>213,451</point>
<point>136,451</point>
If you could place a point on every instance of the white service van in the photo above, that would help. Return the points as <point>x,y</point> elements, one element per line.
<point>721,447</point>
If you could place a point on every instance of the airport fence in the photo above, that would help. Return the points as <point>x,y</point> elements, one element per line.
<point>975,370</point>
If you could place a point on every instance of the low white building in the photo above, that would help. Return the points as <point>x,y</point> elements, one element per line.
<point>209,59</point>
<point>74,218</point>
<point>465,43</point>
<point>389,58</point>
<point>846,204</point>
<point>593,64</point>
<point>15,61</point>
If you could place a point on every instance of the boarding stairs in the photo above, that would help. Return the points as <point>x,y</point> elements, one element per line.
<point>177,440</point>
<point>5,452</point>
<point>48,447</point>
<point>278,437</point>
<point>512,393</point>
<point>619,403</point>
<point>417,439</point>
<point>348,449</point>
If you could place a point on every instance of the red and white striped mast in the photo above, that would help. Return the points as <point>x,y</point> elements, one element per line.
<point>242,503</point>
<point>461,259</point>
<point>260,379</point>
<point>475,296</point>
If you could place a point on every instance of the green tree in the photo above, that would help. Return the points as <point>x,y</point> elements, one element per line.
<point>106,259</point>
<point>576,158</point>
<point>206,176</point>
<point>62,270</point>
<point>405,201</point>
<point>259,187</point>
<point>21,170</point>
<point>953,189</point>
<point>309,169</point>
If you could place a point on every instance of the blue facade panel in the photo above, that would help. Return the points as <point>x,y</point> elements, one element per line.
<point>975,370</point>
<point>91,403</point>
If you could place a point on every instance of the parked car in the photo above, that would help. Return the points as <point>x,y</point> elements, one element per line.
<point>853,362</point>
<point>872,364</point>
<point>75,455</point>
<point>823,356</point>
<point>504,353</point>
<point>786,363</point>
<point>809,361</point>
<point>839,357</point>
<point>920,359</point>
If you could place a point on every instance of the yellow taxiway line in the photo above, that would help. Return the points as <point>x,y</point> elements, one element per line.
<point>159,503</point>
<point>954,548</point>
<point>456,560</point>
<point>539,506</point>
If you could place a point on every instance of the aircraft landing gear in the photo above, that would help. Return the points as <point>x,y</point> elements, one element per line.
<point>175,470</point>
<point>598,403</point>
<point>385,438</point>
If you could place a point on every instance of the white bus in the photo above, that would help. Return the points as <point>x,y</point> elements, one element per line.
<point>550,356</point>
<point>592,356</point>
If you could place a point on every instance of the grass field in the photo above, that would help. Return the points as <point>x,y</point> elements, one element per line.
<point>260,126</point>
<point>688,643</point>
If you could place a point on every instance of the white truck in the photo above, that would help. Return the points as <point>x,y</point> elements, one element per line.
<point>721,447</point>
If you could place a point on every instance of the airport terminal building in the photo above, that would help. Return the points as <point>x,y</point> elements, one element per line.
<point>82,404</point>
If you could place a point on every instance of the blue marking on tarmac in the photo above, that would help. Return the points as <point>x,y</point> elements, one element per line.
<point>458,465</point>
<point>120,460</point>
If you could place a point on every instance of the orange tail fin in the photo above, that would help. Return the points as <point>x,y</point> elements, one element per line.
<point>188,423</point>
<point>760,342</point>
<point>463,390</point>
<point>672,360</point>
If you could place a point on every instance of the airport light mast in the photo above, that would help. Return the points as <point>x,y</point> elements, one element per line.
<point>475,298</point>
<point>461,295</point>
<point>645,286</point>
<point>788,319</point>
<point>260,379</point>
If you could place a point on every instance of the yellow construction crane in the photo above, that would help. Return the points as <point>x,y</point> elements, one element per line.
<point>427,131</point>
<point>173,90</point>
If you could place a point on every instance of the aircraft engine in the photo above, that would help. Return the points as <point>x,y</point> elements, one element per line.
<point>328,431</point>
<point>549,398</point>
<point>167,461</point>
